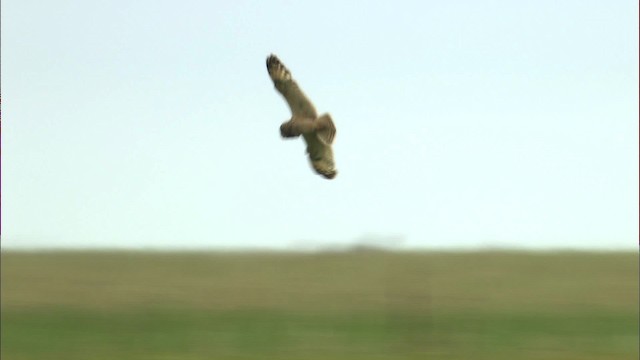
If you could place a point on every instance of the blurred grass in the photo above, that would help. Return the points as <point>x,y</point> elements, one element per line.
<point>357,305</point>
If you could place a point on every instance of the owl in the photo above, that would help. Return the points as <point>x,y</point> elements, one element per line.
<point>318,132</point>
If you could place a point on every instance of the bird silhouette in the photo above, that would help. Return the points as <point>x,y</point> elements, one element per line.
<point>317,132</point>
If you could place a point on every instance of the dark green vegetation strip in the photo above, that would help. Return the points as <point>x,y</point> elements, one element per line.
<point>326,306</point>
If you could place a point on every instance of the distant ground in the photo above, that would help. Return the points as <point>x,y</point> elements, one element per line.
<point>352,305</point>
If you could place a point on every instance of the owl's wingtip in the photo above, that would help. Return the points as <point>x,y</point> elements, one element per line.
<point>272,60</point>
<point>330,175</point>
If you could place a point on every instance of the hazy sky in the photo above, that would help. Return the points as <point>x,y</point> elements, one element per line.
<point>460,123</point>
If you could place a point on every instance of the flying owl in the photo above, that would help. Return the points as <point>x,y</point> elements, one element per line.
<point>317,132</point>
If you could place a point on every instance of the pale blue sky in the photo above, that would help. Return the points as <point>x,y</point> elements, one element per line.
<point>460,123</point>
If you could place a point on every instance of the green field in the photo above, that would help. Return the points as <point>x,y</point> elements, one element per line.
<point>353,305</point>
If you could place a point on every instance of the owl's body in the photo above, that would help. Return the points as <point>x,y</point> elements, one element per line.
<point>317,132</point>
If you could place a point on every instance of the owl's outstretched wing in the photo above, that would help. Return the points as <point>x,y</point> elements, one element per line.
<point>298,102</point>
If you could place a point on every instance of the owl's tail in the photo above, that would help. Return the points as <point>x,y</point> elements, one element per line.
<point>326,128</point>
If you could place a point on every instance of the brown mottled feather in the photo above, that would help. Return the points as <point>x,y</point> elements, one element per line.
<point>318,132</point>
<point>298,102</point>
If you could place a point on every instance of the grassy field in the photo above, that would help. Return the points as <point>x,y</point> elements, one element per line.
<point>358,305</point>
